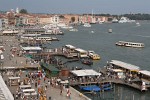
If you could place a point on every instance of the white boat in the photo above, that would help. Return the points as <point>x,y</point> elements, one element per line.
<point>125,20</point>
<point>110,30</point>
<point>73,30</point>
<point>87,25</point>
<point>93,55</point>
<point>130,44</point>
<point>43,38</point>
<point>138,24</point>
<point>92,32</point>
<point>114,20</point>
<point>67,27</point>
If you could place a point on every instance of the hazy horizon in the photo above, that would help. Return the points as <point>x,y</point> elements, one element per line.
<point>78,6</point>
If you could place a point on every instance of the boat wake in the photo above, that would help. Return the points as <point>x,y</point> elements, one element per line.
<point>143,36</point>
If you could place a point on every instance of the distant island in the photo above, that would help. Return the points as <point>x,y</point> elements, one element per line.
<point>138,16</point>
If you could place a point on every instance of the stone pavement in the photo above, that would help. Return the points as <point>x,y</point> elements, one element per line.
<point>12,60</point>
<point>53,92</point>
<point>15,61</point>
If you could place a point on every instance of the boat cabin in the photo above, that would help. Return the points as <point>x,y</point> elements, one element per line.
<point>71,49</point>
<point>81,53</point>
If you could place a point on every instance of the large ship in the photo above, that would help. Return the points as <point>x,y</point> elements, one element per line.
<point>125,20</point>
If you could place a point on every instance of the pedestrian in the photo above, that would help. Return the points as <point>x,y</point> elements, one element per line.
<point>48,83</point>
<point>44,79</point>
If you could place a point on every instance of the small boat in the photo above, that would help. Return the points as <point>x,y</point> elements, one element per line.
<point>87,25</point>
<point>92,32</point>
<point>73,30</point>
<point>87,61</point>
<point>93,55</point>
<point>138,24</point>
<point>110,30</point>
<point>94,88</point>
<point>130,44</point>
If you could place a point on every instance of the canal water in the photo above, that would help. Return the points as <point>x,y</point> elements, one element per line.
<point>103,43</point>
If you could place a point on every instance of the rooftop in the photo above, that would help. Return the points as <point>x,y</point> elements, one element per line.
<point>125,65</point>
<point>85,72</point>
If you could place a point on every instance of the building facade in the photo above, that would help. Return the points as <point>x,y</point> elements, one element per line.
<point>0,24</point>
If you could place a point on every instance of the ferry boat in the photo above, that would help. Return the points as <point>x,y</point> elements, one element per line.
<point>87,25</point>
<point>130,44</point>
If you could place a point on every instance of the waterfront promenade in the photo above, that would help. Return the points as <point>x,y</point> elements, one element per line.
<point>12,61</point>
<point>52,91</point>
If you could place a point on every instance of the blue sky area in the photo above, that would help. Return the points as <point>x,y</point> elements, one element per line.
<point>78,6</point>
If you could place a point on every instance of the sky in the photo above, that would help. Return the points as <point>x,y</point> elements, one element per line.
<point>78,6</point>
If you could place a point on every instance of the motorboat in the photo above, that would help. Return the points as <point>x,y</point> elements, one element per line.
<point>87,61</point>
<point>92,32</point>
<point>138,24</point>
<point>87,25</point>
<point>73,30</point>
<point>110,30</point>
<point>93,55</point>
<point>93,88</point>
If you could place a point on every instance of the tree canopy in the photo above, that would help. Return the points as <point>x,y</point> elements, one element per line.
<point>23,11</point>
<point>72,19</point>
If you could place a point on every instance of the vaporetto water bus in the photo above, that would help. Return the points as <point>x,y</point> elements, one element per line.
<point>130,44</point>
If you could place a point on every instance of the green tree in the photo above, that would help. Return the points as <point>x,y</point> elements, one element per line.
<point>72,19</point>
<point>23,11</point>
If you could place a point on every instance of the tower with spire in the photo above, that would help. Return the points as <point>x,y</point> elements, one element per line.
<point>17,10</point>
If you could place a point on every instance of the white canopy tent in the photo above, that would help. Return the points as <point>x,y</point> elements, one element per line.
<point>125,65</point>
<point>145,72</point>
<point>86,72</point>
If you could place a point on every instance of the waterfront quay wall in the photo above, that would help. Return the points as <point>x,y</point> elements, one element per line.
<point>79,94</point>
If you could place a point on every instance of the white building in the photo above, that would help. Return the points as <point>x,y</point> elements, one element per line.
<point>55,19</point>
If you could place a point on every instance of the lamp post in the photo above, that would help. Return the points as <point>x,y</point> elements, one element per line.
<point>1,65</point>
